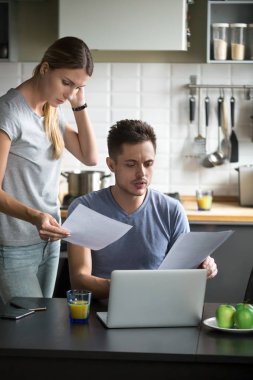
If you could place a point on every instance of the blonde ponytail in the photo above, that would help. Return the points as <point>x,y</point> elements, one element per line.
<point>51,124</point>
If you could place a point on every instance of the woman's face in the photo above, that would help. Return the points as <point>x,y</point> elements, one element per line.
<point>59,85</point>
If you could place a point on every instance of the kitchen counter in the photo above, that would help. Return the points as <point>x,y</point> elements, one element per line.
<point>224,210</point>
<point>45,345</point>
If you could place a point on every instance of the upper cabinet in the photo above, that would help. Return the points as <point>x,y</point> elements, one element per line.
<point>126,25</point>
<point>228,31</point>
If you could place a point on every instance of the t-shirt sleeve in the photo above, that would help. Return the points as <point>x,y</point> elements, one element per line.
<point>79,200</point>
<point>179,222</point>
<point>8,122</point>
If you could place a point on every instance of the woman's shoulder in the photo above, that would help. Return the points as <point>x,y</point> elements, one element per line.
<point>9,102</point>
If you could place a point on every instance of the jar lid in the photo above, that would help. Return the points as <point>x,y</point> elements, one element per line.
<point>238,25</point>
<point>221,24</point>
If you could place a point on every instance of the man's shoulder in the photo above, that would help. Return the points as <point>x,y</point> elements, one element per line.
<point>159,197</point>
<point>92,199</point>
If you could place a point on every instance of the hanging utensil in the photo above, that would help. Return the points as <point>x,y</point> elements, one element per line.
<point>218,157</point>
<point>207,113</point>
<point>234,157</point>
<point>225,143</point>
<point>199,141</point>
<point>188,148</point>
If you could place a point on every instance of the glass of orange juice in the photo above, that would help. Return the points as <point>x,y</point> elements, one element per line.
<point>204,199</point>
<point>79,305</point>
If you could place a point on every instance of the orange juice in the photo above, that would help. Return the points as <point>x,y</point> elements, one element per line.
<point>205,202</point>
<point>79,309</point>
<point>79,305</point>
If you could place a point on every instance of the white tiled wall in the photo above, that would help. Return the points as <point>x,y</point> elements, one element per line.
<point>158,94</point>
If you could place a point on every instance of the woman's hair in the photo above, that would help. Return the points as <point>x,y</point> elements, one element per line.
<point>69,53</point>
<point>128,132</point>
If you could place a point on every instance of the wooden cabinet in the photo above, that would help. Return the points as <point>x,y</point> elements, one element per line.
<point>228,12</point>
<point>126,25</point>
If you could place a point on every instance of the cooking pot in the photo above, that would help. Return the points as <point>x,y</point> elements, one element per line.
<point>246,185</point>
<point>83,182</point>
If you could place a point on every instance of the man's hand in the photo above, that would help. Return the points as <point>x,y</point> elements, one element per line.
<point>211,267</point>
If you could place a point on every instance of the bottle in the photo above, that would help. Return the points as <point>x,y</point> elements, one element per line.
<point>238,34</point>
<point>250,39</point>
<point>220,41</point>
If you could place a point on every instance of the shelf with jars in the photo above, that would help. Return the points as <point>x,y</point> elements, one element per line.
<point>230,31</point>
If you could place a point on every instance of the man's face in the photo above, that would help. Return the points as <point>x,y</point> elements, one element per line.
<point>133,167</point>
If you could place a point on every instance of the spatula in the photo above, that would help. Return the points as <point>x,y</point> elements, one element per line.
<point>234,156</point>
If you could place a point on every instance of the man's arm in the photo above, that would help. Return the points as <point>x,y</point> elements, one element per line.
<point>80,269</point>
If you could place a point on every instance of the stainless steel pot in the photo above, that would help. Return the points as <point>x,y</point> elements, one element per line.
<point>84,182</point>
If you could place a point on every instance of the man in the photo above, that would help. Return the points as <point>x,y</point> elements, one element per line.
<point>157,219</point>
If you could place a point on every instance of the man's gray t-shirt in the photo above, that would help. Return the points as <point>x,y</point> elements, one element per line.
<point>32,175</point>
<point>157,224</point>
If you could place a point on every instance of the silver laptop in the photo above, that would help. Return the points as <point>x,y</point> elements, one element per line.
<point>155,298</point>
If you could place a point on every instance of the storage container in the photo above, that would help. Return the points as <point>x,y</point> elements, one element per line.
<point>220,40</point>
<point>238,37</point>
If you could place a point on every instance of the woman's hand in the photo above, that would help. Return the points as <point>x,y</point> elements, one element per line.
<point>77,97</point>
<point>49,228</point>
<point>211,267</point>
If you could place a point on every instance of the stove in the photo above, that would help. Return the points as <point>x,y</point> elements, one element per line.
<point>67,199</point>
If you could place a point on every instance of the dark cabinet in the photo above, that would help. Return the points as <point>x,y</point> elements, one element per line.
<point>4,30</point>
<point>235,261</point>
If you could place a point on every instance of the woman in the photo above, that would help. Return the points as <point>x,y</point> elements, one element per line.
<point>33,134</point>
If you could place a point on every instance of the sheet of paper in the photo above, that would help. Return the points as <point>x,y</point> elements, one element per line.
<point>192,248</point>
<point>93,230</point>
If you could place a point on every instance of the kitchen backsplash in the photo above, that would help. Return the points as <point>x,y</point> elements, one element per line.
<point>159,94</point>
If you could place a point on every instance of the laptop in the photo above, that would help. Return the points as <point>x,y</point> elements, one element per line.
<point>155,298</point>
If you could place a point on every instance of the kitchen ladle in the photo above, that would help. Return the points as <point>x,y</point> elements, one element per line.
<point>225,143</point>
<point>218,157</point>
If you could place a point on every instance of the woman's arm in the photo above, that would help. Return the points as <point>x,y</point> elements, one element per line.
<point>46,225</point>
<point>82,144</point>
<point>80,267</point>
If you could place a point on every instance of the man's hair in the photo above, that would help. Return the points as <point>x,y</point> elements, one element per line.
<point>129,132</point>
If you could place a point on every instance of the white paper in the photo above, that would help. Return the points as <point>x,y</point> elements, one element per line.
<point>93,230</point>
<point>192,248</point>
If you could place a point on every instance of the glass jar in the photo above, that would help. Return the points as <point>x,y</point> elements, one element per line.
<point>238,34</point>
<point>250,39</point>
<point>220,41</point>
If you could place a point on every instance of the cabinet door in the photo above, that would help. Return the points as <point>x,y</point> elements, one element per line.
<point>125,25</point>
<point>234,261</point>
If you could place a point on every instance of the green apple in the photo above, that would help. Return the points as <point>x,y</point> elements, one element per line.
<point>225,316</point>
<point>240,306</point>
<point>244,316</point>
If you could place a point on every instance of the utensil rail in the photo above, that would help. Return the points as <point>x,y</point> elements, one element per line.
<point>247,88</point>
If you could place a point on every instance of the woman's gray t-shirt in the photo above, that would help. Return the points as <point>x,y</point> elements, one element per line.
<point>32,175</point>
